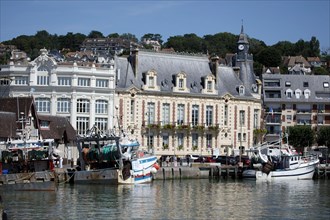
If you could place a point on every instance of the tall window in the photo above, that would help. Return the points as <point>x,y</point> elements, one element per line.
<point>101,107</point>
<point>132,110</point>
<point>181,83</point>
<point>101,124</point>
<point>84,82</point>
<point>63,105</point>
<point>180,139</point>
<point>21,80</point>
<point>151,113</point>
<point>151,81</point>
<point>43,104</point>
<point>166,114</point>
<point>194,115</point>
<point>82,125</point>
<point>82,106</point>
<point>225,118</point>
<point>43,80</point>
<point>165,140</point>
<point>209,85</point>
<point>209,140</point>
<point>180,110</point>
<point>194,137</point>
<point>103,83</point>
<point>209,115</point>
<point>64,81</point>
<point>256,118</point>
<point>242,118</point>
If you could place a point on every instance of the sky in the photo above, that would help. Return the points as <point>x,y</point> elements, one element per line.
<point>266,20</point>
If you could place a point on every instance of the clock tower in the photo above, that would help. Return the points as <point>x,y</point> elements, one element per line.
<point>244,62</point>
<point>242,46</point>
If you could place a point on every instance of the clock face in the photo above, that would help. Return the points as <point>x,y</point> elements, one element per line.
<point>241,47</point>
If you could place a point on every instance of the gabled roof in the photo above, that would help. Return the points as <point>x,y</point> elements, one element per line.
<point>18,106</point>
<point>59,128</point>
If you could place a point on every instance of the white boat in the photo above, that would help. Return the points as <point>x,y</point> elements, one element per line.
<point>277,161</point>
<point>111,158</point>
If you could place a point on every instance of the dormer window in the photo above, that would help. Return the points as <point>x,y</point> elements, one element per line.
<point>44,124</point>
<point>209,84</point>
<point>287,83</point>
<point>325,84</point>
<point>298,93</point>
<point>241,90</point>
<point>289,93</point>
<point>150,80</point>
<point>181,83</point>
<point>307,93</point>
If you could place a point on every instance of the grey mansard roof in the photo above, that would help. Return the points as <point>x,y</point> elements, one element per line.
<point>318,92</point>
<point>167,65</point>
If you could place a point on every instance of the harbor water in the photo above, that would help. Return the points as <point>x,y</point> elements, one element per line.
<point>176,199</point>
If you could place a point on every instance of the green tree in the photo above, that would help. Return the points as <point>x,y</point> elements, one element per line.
<point>113,35</point>
<point>129,36</point>
<point>301,136</point>
<point>95,34</point>
<point>314,47</point>
<point>269,57</point>
<point>285,48</point>
<point>320,71</point>
<point>323,136</point>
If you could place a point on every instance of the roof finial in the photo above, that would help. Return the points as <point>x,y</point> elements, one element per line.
<point>242,30</point>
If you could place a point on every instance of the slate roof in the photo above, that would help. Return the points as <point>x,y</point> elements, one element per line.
<point>18,105</point>
<point>169,65</point>
<point>8,125</point>
<point>315,85</point>
<point>58,127</point>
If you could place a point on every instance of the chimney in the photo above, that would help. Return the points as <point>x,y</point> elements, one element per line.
<point>215,65</point>
<point>135,61</point>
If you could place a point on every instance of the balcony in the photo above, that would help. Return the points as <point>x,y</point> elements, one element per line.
<point>304,111</point>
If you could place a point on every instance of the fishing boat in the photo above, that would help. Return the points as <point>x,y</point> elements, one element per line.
<point>27,165</point>
<point>280,161</point>
<point>113,159</point>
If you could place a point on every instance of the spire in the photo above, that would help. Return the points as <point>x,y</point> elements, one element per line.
<point>242,37</point>
<point>242,28</point>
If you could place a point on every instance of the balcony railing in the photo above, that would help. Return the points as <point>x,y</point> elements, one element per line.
<point>180,126</point>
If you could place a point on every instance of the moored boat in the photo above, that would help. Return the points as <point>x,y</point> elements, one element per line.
<point>281,162</point>
<point>28,167</point>
<point>113,159</point>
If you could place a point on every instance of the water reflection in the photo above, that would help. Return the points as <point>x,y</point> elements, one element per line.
<point>186,199</point>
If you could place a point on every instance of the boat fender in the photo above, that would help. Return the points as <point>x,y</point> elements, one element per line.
<point>156,166</point>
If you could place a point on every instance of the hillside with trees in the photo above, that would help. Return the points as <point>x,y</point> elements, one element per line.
<point>218,44</point>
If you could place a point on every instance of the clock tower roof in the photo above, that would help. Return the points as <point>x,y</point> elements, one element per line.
<point>242,37</point>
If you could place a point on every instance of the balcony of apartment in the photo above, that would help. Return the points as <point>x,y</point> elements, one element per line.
<point>179,126</point>
<point>304,111</point>
<point>304,122</point>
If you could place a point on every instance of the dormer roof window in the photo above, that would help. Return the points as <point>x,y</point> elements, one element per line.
<point>209,84</point>
<point>181,83</point>
<point>241,90</point>
<point>298,93</point>
<point>288,93</point>
<point>151,80</point>
<point>307,93</point>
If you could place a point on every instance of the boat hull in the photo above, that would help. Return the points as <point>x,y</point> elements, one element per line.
<point>99,176</point>
<point>303,172</point>
<point>141,172</point>
<point>36,181</point>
